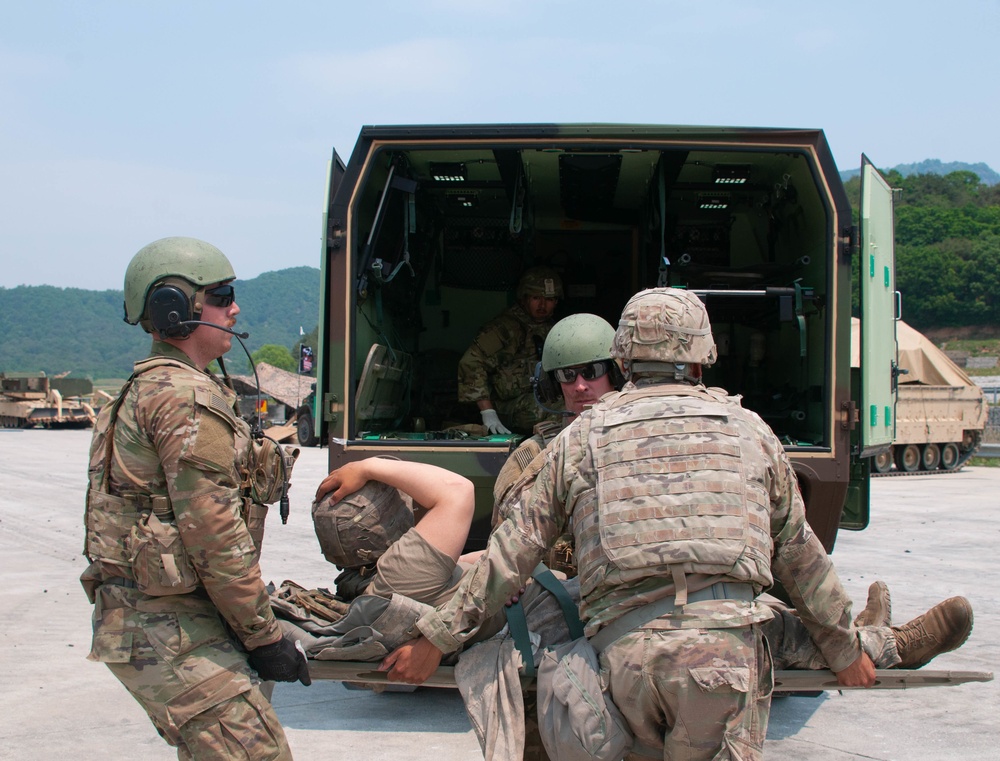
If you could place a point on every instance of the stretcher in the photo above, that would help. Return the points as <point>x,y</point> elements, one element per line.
<point>787,681</point>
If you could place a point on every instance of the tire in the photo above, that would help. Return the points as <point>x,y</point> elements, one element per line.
<point>304,428</point>
<point>949,456</point>
<point>930,457</point>
<point>908,458</point>
<point>882,463</point>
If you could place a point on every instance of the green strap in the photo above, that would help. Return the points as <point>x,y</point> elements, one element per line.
<point>571,613</point>
<point>518,624</point>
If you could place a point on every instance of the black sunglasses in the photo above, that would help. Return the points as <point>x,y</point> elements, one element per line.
<point>589,372</point>
<point>220,296</point>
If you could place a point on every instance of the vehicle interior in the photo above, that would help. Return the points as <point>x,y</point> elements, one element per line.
<point>442,234</point>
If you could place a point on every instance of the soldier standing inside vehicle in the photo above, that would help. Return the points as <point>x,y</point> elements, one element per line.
<point>177,496</point>
<point>684,507</point>
<point>495,371</point>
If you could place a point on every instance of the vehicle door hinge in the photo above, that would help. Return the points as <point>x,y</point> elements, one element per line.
<point>849,416</point>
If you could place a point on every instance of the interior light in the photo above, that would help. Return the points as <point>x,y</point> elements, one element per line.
<point>450,172</point>
<point>463,200</point>
<point>713,203</point>
<point>731,174</point>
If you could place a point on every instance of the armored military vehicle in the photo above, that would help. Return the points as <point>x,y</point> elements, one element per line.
<point>427,228</point>
<point>28,400</point>
<point>940,412</point>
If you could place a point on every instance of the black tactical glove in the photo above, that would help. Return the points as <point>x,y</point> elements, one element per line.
<point>280,661</point>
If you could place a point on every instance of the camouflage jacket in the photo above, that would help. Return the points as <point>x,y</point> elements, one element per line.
<point>564,477</point>
<point>500,362</point>
<point>178,436</point>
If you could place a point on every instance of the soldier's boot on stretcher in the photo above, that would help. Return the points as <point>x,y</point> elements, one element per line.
<point>941,629</point>
<point>878,611</point>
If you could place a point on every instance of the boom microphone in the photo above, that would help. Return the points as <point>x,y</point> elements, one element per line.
<point>213,325</point>
<point>256,429</point>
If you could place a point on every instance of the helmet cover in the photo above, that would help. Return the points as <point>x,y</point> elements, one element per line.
<point>665,325</point>
<point>540,281</point>
<point>356,530</point>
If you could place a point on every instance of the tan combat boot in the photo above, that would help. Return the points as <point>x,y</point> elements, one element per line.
<point>878,611</point>
<point>941,629</point>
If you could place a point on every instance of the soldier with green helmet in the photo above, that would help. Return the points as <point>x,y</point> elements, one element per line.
<point>576,360</point>
<point>698,511</point>
<point>495,371</point>
<point>177,496</point>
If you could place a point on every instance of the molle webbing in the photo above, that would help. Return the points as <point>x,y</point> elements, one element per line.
<point>673,492</point>
<point>129,503</point>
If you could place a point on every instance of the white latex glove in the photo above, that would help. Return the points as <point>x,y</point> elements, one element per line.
<point>492,422</point>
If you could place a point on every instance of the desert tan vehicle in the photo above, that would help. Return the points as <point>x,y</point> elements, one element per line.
<point>940,412</point>
<point>28,400</point>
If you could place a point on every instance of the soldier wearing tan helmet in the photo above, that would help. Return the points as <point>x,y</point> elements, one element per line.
<point>177,496</point>
<point>683,508</point>
<point>495,371</point>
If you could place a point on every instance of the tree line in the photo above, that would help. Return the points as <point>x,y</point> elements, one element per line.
<point>60,330</point>
<point>947,248</point>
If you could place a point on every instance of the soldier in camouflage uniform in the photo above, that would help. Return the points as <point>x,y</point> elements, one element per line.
<point>175,511</point>
<point>495,371</point>
<point>577,357</point>
<point>683,507</point>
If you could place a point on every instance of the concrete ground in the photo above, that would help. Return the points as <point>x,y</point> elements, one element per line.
<point>931,537</point>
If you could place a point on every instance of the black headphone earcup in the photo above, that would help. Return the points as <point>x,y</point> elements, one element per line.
<point>547,390</point>
<point>168,307</point>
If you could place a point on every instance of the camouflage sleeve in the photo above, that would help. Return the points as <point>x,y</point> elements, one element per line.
<point>474,370</point>
<point>194,434</point>
<point>802,566</point>
<point>517,546</point>
<point>495,346</point>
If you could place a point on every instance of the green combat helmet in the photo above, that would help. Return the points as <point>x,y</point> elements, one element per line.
<point>540,281</point>
<point>189,263</point>
<point>579,339</point>
<point>663,326</point>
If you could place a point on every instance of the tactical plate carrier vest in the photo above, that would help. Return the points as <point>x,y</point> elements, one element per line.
<point>134,536</point>
<point>681,489</point>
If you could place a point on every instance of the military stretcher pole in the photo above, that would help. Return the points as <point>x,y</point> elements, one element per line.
<point>361,672</point>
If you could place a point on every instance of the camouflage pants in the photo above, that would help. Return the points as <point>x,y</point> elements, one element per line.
<point>793,648</point>
<point>700,694</point>
<point>197,688</point>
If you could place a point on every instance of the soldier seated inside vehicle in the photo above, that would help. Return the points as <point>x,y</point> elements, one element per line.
<point>496,369</point>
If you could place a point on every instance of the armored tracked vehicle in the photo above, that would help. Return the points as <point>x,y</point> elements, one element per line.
<point>940,412</point>
<point>28,400</point>
<point>427,228</point>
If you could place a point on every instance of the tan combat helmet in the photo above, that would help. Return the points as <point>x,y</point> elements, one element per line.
<point>358,529</point>
<point>540,281</point>
<point>187,263</point>
<point>663,326</point>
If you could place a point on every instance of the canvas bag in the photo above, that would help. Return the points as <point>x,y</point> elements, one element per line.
<point>576,718</point>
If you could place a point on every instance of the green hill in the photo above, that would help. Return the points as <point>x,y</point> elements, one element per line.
<point>82,332</point>
<point>935,166</point>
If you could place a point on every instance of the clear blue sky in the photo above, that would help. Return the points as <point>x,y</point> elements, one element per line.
<point>123,122</point>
